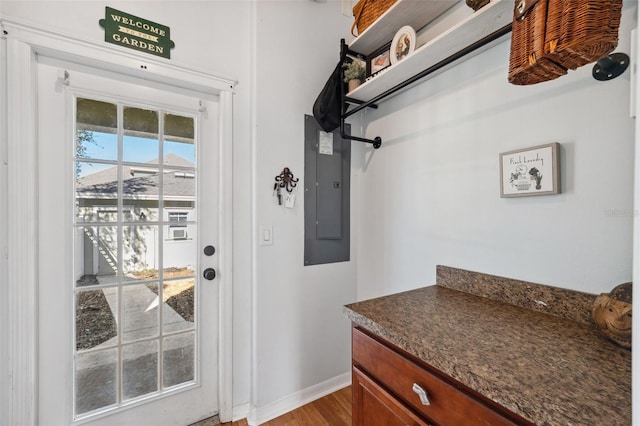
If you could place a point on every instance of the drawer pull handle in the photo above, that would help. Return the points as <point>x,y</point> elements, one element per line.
<point>421,393</point>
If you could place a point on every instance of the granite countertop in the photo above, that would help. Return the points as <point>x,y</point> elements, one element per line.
<point>548,369</point>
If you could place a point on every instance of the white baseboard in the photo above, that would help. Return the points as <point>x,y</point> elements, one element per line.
<point>240,412</point>
<point>298,399</point>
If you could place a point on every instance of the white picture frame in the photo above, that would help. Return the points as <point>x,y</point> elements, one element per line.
<point>530,171</point>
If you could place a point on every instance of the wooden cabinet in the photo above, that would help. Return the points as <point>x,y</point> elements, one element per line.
<point>390,388</point>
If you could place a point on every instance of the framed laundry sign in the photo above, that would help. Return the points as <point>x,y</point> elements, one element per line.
<point>530,171</point>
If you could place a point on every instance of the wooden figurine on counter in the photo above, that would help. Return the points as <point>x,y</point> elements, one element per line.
<point>612,314</point>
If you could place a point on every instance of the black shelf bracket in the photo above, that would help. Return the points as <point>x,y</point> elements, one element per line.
<point>371,103</point>
<point>346,101</point>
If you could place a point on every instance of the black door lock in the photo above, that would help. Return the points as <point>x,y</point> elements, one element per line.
<point>209,274</point>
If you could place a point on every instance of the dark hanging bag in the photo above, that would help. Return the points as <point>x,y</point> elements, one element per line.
<point>327,107</point>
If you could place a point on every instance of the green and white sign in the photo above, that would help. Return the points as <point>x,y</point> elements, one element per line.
<point>136,33</point>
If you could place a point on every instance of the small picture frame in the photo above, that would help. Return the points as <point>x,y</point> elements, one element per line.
<point>378,60</point>
<point>530,171</point>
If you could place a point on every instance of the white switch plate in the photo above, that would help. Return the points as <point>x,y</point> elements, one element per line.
<point>265,236</point>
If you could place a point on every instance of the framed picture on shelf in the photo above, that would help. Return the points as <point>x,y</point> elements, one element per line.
<point>378,60</point>
<point>530,171</point>
<point>403,44</point>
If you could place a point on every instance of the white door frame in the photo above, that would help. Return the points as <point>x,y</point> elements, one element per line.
<point>19,195</point>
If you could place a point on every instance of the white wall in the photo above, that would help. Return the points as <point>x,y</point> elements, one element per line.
<point>431,194</point>
<point>4,335</point>
<point>212,36</point>
<point>302,335</point>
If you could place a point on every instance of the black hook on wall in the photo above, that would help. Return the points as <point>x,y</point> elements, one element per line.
<point>284,180</point>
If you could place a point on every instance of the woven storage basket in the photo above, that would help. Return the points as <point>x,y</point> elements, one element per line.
<point>367,11</point>
<point>527,61</point>
<point>557,35</point>
<point>584,31</point>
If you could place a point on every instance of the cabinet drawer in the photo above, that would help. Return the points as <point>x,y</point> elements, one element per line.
<point>374,406</point>
<point>448,405</point>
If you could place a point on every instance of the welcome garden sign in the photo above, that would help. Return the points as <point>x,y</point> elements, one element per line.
<point>136,33</point>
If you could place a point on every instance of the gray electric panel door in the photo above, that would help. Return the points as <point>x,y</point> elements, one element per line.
<point>327,171</point>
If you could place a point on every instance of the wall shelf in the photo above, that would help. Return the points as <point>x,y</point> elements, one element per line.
<point>489,19</point>
<point>416,13</point>
<point>472,35</point>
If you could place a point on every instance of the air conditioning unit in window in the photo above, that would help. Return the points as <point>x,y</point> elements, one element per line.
<point>179,233</point>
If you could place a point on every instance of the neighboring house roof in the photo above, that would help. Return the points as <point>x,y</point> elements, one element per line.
<point>178,182</point>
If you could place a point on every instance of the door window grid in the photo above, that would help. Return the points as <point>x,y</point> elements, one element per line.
<point>124,219</point>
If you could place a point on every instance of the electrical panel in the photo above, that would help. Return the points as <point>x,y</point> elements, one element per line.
<point>327,172</point>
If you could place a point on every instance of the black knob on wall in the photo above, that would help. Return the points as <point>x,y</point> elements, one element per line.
<point>209,274</point>
<point>209,250</point>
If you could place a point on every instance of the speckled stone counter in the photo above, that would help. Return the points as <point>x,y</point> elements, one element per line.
<point>548,369</point>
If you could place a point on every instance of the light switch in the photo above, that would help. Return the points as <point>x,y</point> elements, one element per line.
<point>266,235</point>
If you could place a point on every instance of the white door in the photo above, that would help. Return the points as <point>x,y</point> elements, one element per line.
<point>128,198</point>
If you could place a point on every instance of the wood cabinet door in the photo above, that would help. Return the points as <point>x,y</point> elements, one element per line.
<point>373,406</point>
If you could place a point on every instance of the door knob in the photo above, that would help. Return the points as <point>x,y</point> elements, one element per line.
<point>209,274</point>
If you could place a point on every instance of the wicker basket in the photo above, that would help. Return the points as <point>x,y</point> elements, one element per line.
<point>557,35</point>
<point>588,31</point>
<point>366,12</point>
<point>527,61</point>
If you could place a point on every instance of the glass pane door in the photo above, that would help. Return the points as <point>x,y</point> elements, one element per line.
<point>135,254</point>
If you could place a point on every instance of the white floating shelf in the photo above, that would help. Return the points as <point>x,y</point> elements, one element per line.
<point>416,13</point>
<point>481,24</point>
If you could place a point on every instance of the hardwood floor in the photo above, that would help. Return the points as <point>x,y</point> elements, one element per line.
<point>331,410</point>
